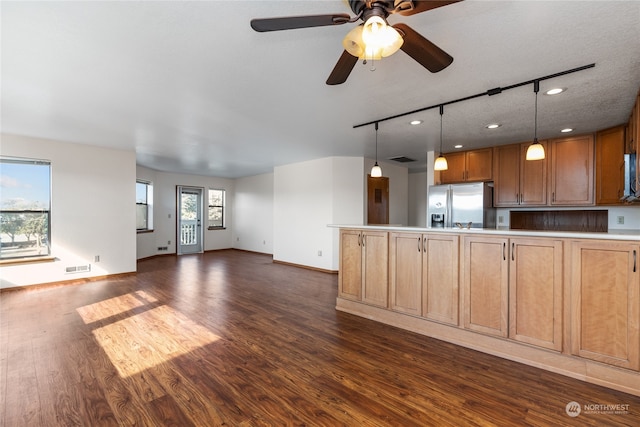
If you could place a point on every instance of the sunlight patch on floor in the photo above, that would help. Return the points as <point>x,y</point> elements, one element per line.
<point>146,339</point>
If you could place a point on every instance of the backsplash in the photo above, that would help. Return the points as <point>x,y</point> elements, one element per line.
<point>620,217</point>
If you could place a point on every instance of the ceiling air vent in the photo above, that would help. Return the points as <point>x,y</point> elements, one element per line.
<point>402,159</point>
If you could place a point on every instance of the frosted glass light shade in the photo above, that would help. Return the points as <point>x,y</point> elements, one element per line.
<point>535,151</point>
<point>376,171</point>
<point>441,164</point>
<point>372,41</point>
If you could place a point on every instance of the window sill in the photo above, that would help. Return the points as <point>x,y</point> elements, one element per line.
<point>18,261</point>
<point>144,231</point>
<point>216,228</point>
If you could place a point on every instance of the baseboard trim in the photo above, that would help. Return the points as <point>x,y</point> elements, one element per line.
<point>307,267</point>
<point>80,281</point>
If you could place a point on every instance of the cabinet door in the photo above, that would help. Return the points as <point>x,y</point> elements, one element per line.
<point>535,292</point>
<point>350,273</point>
<point>610,165</point>
<point>456,168</point>
<point>375,283</point>
<point>572,171</point>
<point>506,173</point>
<point>533,178</point>
<point>479,165</point>
<point>440,296</point>
<point>605,302</point>
<point>485,284</point>
<point>405,272</point>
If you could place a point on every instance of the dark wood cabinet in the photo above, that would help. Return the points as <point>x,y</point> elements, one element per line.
<point>517,181</point>
<point>610,148</point>
<point>572,171</point>
<point>468,166</point>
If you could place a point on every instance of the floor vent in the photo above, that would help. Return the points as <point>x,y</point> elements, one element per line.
<point>78,269</point>
<point>163,248</point>
<point>402,159</point>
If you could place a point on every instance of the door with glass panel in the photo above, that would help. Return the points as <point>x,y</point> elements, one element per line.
<point>189,216</point>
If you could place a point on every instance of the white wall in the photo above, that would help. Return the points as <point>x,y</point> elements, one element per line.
<point>92,199</point>
<point>253,214</point>
<point>418,199</point>
<point>164,211</point>
<point>308,196</point>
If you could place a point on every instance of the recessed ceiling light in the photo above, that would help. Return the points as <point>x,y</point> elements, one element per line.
<point>565,130</point>
<point>555,91</point>
<point>415,122</point>
<point>457,146</point>
<point>493,126</point>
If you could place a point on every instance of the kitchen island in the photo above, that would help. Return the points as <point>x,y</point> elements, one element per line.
<point>567,302</point>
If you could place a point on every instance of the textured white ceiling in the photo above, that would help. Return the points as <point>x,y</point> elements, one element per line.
<point>193,89</point>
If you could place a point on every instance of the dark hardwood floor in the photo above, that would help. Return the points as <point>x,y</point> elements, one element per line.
<point>230,338</point>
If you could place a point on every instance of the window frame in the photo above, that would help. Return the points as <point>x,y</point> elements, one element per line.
<point>149,204</point>
<point>221,207</point>
<point>39,256</point>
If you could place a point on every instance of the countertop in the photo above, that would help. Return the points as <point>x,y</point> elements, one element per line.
<point>615,234</point>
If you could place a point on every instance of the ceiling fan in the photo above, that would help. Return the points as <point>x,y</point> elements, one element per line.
<point>374,38</point>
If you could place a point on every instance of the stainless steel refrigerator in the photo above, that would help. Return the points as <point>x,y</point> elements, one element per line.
<point>468,205</point>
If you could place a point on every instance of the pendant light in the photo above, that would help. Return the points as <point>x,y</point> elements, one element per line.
<point>376,171</point>
<point>441,162</point>
<point>535,150</point>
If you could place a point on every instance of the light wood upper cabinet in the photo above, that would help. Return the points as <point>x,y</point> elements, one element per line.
<point>605,302</point>
<point>572,171</point>
<point>535,291</point>
<point>468,166</point>
<point>517,181</point>
<point>363,274</point>
<point>610,147</point>
<point>485,279</point>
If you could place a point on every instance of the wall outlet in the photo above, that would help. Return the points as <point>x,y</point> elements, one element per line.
<point>500,219</point>
<point>168,242</point>
<point>620,219</point>
<point>96,258</point>
<point>319,253</point>
<point>264,242</point>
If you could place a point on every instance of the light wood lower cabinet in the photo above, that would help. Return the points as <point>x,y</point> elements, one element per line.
<point>535,291</point>
<point>605,302</point>
<point>424,275</point>
<point>364,274</point>
<point>485,279</point>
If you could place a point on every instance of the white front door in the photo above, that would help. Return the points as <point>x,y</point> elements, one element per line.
<point>189,220</point>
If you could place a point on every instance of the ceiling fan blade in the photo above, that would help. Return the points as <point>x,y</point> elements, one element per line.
<point>423,6</point>
<point>342,69</point>
<point>293,22</point>
<point>422,50</point>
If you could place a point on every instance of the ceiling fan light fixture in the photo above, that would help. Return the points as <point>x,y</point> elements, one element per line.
<point>380,37</point>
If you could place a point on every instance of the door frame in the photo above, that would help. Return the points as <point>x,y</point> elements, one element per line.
<point>180,189</point>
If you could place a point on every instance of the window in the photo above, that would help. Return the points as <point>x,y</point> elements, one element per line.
<point>216,208</point>
<point>25,205</point>
<point>144,206</point>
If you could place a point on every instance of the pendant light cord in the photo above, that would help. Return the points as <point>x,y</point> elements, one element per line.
<point>441,113</point>
<point>376,143</point>
<point>536,89</point>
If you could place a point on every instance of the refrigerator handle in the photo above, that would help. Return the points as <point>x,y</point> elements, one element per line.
<point>448,219</point>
